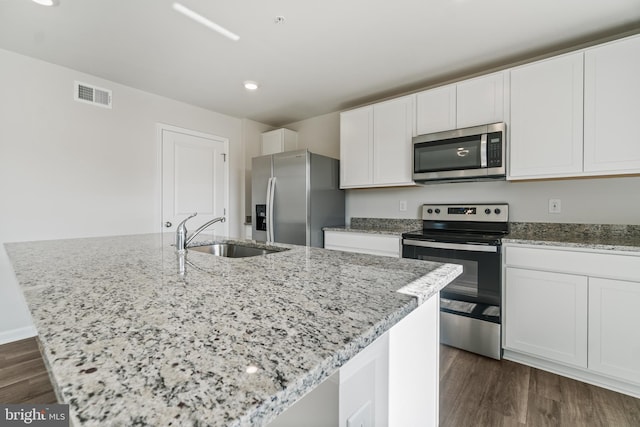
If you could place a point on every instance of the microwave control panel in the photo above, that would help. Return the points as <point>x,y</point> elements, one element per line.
<point>494,149</point>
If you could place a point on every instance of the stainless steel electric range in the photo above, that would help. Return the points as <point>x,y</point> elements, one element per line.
<point>470,235</point>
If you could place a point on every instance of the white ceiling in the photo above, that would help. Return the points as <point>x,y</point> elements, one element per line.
<point>328,55</point>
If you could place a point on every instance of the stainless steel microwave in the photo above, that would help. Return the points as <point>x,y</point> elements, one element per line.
<point>474,153</point>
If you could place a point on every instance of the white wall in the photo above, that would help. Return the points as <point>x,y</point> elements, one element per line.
<point>321,134</point>
<point>69,169</point>
<point>591,201</point>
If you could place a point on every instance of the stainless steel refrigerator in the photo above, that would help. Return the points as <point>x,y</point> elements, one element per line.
<point>293,195</point>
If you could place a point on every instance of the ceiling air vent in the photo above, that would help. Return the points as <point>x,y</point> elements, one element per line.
<point>92,95</point>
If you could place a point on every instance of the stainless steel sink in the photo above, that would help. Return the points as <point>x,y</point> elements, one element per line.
<point>234,250</point>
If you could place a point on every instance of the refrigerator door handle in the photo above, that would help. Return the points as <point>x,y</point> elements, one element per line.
<point>268,207</point>
<point>272,195</point>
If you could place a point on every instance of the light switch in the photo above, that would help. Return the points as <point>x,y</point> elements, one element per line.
<point>403,205</point>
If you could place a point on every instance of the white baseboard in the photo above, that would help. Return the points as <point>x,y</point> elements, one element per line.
<point>17,334</point>
<point>583,375</point>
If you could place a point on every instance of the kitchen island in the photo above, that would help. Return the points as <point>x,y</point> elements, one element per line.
<point>133,334</point>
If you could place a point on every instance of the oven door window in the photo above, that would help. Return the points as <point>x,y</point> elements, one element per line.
<point>450,154</point>
<point>480,278</point>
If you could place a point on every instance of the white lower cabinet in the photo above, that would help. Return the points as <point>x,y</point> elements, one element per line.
<point>614,328</point>
<point>546,315</point>
<point>365,243</point>
<point>574,312</point>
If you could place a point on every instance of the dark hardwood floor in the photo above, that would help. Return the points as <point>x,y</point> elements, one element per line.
<point>478,391</point>
<point>474,391</point>
<point>23,376</point>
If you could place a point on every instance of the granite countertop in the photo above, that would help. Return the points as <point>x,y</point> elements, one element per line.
<point>129,340</point>
<point>388,226</point>
<point>611,237</point>
<point>608,237</point>
<point>397,232</point>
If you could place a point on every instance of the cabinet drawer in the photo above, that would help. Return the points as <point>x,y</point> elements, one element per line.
<point>596,264</point>
<point>372,244</point>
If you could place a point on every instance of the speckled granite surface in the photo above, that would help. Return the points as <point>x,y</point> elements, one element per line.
<point>130,341</point>
<point>391,226</point>
<point>588,236</point>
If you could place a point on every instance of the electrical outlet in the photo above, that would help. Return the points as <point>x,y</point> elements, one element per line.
<point>554,206</point>
<point>403,206</point>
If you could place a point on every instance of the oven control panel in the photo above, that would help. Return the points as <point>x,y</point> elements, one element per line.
<point>498,212</point>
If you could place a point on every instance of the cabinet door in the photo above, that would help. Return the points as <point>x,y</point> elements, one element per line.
<point>612,107</point>
<point>546,118</point>
<point>436,110</point>
<point>356,148</point>
<point>392,132</point>
<point>546,315</point>
<point>372,244</point>
<point>278,141</point>
<point>272,142</point>
<point>364,388</point>
<point>480,101</point>
<point>614,339</point>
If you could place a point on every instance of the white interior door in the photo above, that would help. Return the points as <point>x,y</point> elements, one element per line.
<point>194,179</point>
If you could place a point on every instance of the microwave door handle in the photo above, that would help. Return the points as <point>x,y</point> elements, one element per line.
<point>483,150</point>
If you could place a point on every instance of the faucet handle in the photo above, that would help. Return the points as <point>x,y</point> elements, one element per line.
<point>182,224</point>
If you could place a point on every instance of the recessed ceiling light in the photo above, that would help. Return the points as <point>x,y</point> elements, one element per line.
<point>46,2</point>
<point>250,85</point>
<point>204,21</point>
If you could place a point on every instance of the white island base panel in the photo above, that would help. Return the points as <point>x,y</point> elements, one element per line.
<point>392,382</point>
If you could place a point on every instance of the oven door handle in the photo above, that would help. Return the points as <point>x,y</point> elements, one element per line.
<point>455,246</point>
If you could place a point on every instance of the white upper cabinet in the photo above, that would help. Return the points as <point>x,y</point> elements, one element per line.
<point>393,128</point>
<point>375,144</point>
<point>546,118</point>
<point>472,102</point>
<point>356,147</point>
<point>436,110</point>
<point>278,141</point>
<point>612,107</point>
<point>481,100</point>
<point>577,114</point>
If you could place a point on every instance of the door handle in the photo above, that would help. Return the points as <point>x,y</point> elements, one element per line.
<point>168,224</point>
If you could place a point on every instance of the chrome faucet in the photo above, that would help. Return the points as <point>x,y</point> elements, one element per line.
<point>181,233</point>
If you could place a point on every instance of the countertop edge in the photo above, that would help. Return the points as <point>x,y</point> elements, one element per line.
<point>631,250</point>
<point>381,231</point>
